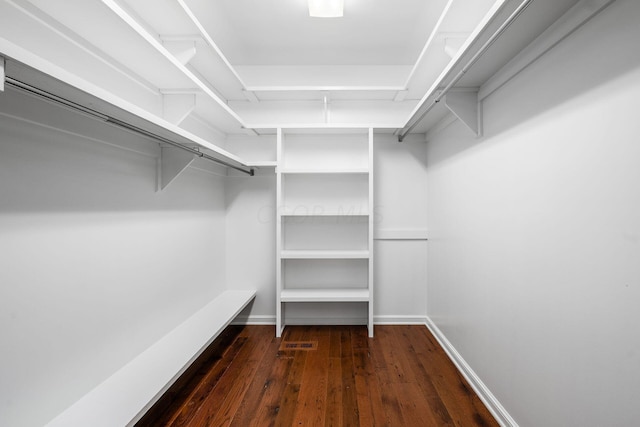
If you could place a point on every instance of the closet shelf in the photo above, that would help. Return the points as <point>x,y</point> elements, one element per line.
<point>330,212</point>
<point>28,73</point>
<point>325,171</point>
<point>324,295</point>
<point>324,254</point>
<point>494,53</point>
<point>262,164</point>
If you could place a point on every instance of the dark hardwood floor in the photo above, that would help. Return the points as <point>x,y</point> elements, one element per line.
<point>402,377</point>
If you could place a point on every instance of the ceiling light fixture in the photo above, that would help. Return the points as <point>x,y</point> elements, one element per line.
<point>326,8</point>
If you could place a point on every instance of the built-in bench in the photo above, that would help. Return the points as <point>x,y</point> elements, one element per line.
<point>123,398</point>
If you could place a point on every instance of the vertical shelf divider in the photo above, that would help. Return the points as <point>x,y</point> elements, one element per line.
<point>279,234</point>
<point>370,237</point>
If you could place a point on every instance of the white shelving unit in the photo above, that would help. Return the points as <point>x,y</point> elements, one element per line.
<point>324,218</point>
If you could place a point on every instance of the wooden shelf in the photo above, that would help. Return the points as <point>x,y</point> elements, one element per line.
<point>324,254</point>
<point>324,295</point>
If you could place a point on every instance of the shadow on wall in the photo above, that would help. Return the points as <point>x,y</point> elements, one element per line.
<point>53,160</point>
<point>606,51</point>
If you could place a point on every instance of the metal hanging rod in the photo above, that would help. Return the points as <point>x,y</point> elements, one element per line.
<point>466,68</point>
<point>17,84</point>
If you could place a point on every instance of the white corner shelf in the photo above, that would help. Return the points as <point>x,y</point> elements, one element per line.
<point>325,295</point>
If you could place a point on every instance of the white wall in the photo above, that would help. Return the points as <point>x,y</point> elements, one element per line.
<point>400,205</point>
<point>534,251</point>
<point>94,264</point>
<point>250,230</point>
<point>400,229</point>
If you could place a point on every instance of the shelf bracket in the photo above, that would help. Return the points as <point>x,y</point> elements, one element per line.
<point>453,42</point>
<point>464,105</point>
<point>250,95</point>
<point>173,161</point>
<point>184,50</point>
<point>177,106</point>
<point>400,95</point>
<point>3,73</point>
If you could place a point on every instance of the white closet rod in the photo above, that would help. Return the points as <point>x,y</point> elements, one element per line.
<point>17,84</point>
<point>415,119</point>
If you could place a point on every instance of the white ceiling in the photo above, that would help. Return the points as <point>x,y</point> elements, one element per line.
<point>280,32</point>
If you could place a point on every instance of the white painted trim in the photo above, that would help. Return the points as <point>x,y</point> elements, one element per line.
<point>401,234</point>
<point>255,320</point>
<point>495,407</point>
<point>399,319</point>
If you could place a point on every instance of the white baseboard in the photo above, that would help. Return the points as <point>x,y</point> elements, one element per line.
<point>254,320</point>
<point>377,320</point>
<point>495,407</point>
<point>399,320</point>
<point>326,320</point>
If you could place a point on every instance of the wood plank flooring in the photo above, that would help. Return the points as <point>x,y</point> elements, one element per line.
<point>402,377</point>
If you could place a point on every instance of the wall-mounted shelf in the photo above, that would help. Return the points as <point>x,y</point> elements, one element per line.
<point>28,73</point>
<point>492,55</point>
